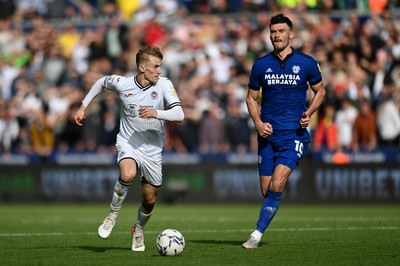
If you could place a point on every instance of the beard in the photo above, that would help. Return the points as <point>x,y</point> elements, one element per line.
<point>280,46</point>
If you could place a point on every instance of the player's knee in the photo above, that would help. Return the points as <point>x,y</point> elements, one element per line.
<point>128,169</point>
<point>148,202</point>
<point>277,185</point>
<point>127,176</point>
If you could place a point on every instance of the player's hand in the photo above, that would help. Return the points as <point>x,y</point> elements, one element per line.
<point>265,130</point>
<point>305,120</point>
<point>80,115</point>
<point>146,112</point>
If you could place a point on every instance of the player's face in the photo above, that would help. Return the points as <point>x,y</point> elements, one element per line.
<point>280,36</point>
<point>152,69</point>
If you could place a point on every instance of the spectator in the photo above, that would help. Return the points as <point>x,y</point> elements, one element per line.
<point>388,117</point>
<point>364,129</point>
<point>8,72</point>
<point>357,80</point>
<point>7,9</point>
<point>326,133</point>
<point>28,9</point>
<point>42,135</point>
<point>57,102</point>
<point>70,139</point>
<point>81,52</point>
<point>9,126</point>
<point>345,117</point>
<point>98,45</point>
<point>377,6</point>
<point>237,129</point>
<point>116,41</point>
<point>68,38</point>
<point>211,131</point>
<point>185,138</point>
<point>127,8</point>
<point>54,66</point>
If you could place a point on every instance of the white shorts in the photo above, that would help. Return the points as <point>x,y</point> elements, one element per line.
<point>149,168</point>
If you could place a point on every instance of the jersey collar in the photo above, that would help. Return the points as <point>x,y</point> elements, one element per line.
<point>286,58</point>
<point>140,86</point>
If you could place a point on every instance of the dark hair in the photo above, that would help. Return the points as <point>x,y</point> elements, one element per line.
<point>144,53</point>
<point>280,18</point>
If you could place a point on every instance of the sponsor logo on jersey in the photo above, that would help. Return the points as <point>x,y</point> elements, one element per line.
<point>284,79</point>
<point>133,109</point>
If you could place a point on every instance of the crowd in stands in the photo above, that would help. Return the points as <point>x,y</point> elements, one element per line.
<point>52,51</point>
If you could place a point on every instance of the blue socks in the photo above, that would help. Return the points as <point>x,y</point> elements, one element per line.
<point>268,210</point>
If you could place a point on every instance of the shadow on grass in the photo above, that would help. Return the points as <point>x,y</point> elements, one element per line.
<point>101,249</point>
<point>217,242</point>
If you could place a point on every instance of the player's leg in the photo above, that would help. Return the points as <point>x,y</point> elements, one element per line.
<point>145,210</point>
<point>266,166</point>
<point>149,197</point>
<point>128,170</point>
<point>271,203</point>
<point>288,156</point>
<point>264,184</point>
<point>256,235</point>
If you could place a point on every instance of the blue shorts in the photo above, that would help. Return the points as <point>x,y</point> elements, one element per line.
<point>285,147</point>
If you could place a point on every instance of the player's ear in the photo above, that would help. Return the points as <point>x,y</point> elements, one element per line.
<point>291,35</point>
<point>142,68</point>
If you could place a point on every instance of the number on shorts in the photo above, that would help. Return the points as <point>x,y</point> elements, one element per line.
<point>299,146</point>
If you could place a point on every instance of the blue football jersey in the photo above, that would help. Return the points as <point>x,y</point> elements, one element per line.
<point>284,85</point>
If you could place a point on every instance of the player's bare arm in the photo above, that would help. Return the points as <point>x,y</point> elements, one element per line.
<point>317,100</point>
<point>264,129</point>
<point>80,115</point>
<point>93,92</point>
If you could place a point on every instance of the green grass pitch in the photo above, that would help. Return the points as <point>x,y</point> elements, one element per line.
<point>66,234</point>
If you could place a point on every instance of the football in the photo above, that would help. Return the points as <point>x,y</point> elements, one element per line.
<point>170,242</point>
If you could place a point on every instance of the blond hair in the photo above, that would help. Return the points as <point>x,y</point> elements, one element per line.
<point>146,51</point>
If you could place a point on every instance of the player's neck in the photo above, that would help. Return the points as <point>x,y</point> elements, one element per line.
<point>283,53</point>
<point>142,80</point>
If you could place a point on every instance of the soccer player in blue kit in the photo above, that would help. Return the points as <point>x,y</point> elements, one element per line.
<point>284,76</point>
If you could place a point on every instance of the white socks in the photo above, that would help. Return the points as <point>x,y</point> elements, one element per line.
<point>257,235</point>
<point>143,215</point>
<point>120,191</point>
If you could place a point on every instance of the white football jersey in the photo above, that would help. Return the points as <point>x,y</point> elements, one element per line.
<point>146,135</point>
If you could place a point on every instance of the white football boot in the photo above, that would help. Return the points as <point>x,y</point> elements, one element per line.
<point>138,238</point>
<point>250,243</point>
<point>107,226</point>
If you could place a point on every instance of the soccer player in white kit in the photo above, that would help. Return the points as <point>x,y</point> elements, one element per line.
<point>147,100</point>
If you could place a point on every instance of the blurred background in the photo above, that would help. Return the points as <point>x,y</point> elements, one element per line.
<point>52,51</point>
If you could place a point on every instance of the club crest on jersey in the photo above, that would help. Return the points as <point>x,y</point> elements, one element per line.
<point>296,69</point>
<point>154,95</point>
